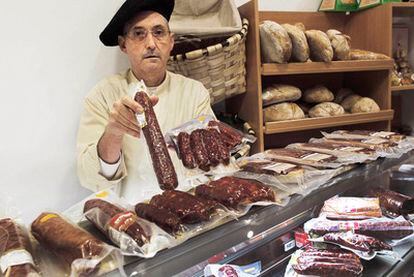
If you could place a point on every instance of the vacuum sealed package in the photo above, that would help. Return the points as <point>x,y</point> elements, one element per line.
<point>116,219</point>
<point>381,142</point>
<point>303,157</point>
<point>351,208</point>
<point>365,247</point>
<point>82,252</point>
<point>160,157</point>
<point>182,214</point>
<point>323,262</point>
<point>345,154</point>
<point>393,203</point>
<point>229,270</point>
<point>380,228</point>
<point>288,177</point>
<point>237,194</point>
<point>205,145</point>
<point>15,250</point>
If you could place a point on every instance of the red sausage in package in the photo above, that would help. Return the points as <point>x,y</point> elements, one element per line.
<point>82,252</point>
<point>303,157</point>
<point>381,228</point>
<point>288,177</point>
<point>382,143</point>
<point>161,160</point>
<point>323,262</point>
<point>116,219</point>
<point>348,208</point>
<point>205,145</point>
<point>15,250</point>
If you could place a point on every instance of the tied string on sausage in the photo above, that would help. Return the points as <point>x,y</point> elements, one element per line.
<point>161,160</point>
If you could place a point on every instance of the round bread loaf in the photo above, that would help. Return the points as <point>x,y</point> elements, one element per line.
<point>300,47</point>
<point>277,93</point>
<point>349,101</point>
<point>365,105</point>
<point>275,43</point>
<point>340,44</point>
<point>320,46</point>
<point>282,111</point>
<point>318,94</point>
<point>326,109</point>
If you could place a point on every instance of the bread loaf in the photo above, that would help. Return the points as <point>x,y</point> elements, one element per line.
<point>275,43</point>
<point>318,94</point>
<point>357,54</point>
<point>282,111</point>
<point>349,101</point>
<point>320,46</point>
<point>277,93</point>
<point>365,105</point>
<point>326,109</point>
<point>340,44</point>
<point>300,47</point>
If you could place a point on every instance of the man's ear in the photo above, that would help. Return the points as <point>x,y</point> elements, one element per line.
<point>172,36</point>
<point>121,43</point>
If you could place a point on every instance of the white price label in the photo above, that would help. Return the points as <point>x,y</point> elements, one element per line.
<point>289,245</point>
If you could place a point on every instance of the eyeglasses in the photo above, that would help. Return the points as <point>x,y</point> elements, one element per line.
<point>140,34</point>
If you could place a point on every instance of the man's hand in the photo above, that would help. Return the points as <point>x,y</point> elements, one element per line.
<point>121,121</point>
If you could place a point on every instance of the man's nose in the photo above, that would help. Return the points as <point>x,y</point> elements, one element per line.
<point>150,41</point>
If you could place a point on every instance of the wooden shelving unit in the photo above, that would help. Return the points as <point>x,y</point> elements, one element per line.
<point>402,88</point>
<point>324,122</point>
<point>367,78</point>
<point>272,69</point>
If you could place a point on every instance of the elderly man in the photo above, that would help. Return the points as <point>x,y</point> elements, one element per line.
<point>111,152</point>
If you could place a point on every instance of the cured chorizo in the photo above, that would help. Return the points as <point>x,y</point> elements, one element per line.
<point>161,160</point>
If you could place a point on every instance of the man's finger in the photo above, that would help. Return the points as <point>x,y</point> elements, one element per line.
<point>132,104</point>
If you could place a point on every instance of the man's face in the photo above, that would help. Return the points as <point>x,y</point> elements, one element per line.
<point>147,42</point>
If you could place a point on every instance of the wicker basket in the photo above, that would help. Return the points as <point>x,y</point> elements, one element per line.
<point>220,67</point>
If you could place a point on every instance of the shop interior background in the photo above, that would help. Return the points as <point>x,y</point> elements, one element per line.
<point>50,58</point>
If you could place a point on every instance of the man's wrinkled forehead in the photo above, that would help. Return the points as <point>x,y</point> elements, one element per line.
<point>142,19</point>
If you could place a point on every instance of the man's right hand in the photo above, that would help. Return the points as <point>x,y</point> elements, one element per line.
<point>121,121</point>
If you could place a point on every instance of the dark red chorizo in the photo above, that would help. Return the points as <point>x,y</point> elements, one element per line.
<point>184,149</point>
<point>166,220</point>
<point>211,146</point>
<point>161,160</point>
<point>222,149</point>
<point>199,150</point>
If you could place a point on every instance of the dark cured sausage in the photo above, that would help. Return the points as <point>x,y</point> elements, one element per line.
<point>108,216</point>
<point>328,263</point>
<point>166,220</point>
<point>184,148</point>
<point>199,150</point>
<point>161,160</point>
<point>211,144</point>
<point>221,147</point>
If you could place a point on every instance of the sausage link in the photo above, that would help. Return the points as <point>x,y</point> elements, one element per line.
<point>184,148</point>
<point>166,220</point>
<point>109,216</point>
<point>161,160</point>
<point>199,150</point>
<point>222,149</point>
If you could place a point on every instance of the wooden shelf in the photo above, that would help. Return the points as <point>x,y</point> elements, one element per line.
<point>402,88</point>
<point>272,69</point>
<point>403,9</point>
<point>324,122</point>
<point>403,4</point>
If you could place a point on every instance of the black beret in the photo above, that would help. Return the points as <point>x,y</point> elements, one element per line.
<point>127,11</point>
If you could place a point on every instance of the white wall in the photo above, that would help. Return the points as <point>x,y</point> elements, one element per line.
<point>50,57</point>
